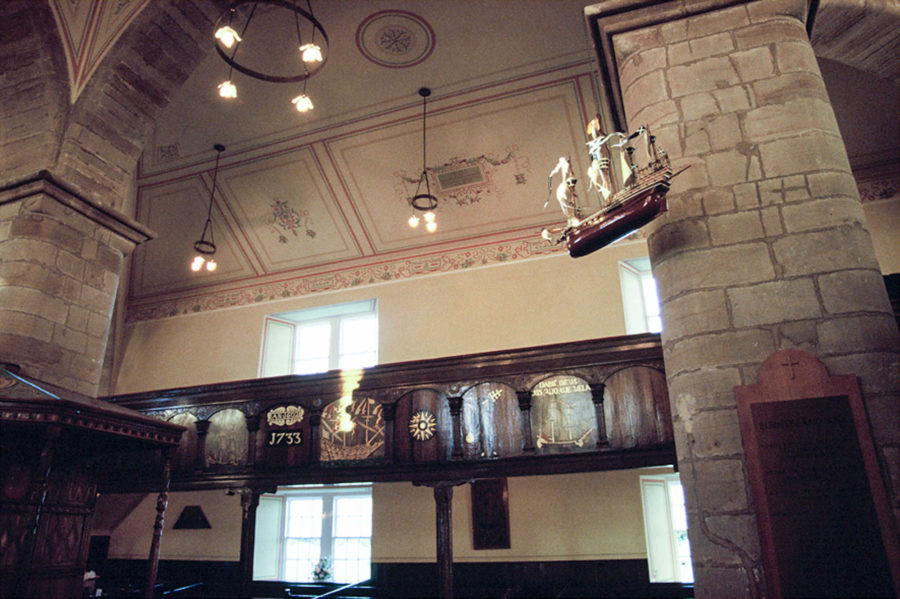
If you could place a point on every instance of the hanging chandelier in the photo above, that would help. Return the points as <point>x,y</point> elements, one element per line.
<point>206,246</point>
<point>423,201</point>
<point>247,51</point>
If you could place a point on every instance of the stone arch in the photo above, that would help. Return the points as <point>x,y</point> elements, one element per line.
<point>93,145</point>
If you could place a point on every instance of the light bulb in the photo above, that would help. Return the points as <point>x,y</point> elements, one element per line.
<point>311,53</point>
<point>228,90</point>
<point>413,221</point>
<point>197,264</point>
<point>431,226</point>
<point>211,265</point>
<point>302,103</point>
<point>227,36</point>
<point>429,217</point>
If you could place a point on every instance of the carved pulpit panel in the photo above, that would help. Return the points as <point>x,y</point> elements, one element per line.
<point>824,523</point>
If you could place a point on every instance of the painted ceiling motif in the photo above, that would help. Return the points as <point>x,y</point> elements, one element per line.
<point>88,29</point>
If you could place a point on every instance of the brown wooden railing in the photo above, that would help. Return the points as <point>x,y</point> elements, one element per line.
<point>582,406</point>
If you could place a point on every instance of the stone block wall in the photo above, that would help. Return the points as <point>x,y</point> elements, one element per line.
<point>764,248</point>
<point>61,259</point>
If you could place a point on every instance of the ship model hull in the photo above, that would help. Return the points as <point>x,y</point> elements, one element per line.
<point>620,218</point>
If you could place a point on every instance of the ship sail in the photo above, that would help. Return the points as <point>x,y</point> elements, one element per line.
<point>639,198</point>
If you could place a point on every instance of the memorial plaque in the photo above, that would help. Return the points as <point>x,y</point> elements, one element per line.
<point>824,524</point>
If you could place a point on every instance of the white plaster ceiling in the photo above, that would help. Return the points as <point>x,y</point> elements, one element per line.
<point>314,202</point>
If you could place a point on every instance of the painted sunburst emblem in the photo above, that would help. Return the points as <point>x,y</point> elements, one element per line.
<point>422,425</point>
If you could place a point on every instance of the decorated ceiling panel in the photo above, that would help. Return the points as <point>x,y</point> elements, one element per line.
<point>285,211</point>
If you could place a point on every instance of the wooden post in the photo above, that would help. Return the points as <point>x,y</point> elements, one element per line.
<point>389,410</point>
<point>162,501</point>
<point>455,404</point>
<point>524,398</point>
<point>597,397</point>
<point>249,503</point>
<point>202,429</point>
<point>443,498</point>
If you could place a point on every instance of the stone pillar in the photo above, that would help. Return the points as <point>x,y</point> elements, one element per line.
<point>60,260</point>
<point>764,246</point>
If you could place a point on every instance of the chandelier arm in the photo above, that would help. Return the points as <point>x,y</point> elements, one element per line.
<point>317,26</point>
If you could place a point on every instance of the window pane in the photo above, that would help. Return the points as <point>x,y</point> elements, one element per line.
<point>300,558</point>
<point>313,340</point>
<point>353,517</point>
<point>359,335</point>
<point>305,517</point>
<point>311,366</point>
<point>352,559</point>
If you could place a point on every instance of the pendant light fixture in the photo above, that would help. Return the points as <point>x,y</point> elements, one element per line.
<point>312,44</point>
<point>206,248</point>
<point>423,202</point>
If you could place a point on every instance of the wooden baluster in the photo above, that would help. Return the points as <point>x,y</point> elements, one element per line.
<point>162,501</point>
<point>597,397</point>
<point>524,398</point>
<point>455,410</point>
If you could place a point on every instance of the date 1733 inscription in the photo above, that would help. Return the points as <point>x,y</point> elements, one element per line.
<point>287,438</point>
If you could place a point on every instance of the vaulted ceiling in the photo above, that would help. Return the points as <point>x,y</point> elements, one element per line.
<point>318,201</point>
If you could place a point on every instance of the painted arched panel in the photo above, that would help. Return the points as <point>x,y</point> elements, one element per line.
<point>563,417</point>
<point>352,431</point>
<point>491,422</point>
<point>423,428</point>
<point>636,405</point>
<point>226,441</point>
<point>185,459</point>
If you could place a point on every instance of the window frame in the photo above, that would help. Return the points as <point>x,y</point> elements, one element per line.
<point>665,529</point>
<point>329,494</point>
<point>275,360</point>
<point>634,274</point>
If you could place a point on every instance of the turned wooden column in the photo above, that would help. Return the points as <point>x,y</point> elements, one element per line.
<point>249,503</point>
<point>524,398</point>
<point>389,410</point>
<point>162,501</point>
<point>443,499</point>
<point>202,428</point>
<point>597,397</point>
<point>455,404</point>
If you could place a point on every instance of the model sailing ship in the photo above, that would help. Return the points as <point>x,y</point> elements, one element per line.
<point>640,198</point>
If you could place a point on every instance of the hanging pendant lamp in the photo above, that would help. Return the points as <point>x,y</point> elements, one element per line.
<point>423,200</point>
<point>206,247</point>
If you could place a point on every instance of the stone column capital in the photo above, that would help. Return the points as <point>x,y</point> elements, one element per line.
<point>609,18</point>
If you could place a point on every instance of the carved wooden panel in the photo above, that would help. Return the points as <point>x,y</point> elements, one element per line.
<point>352,431</point>
<point>226,441</point>
<point>423,428</point>
<point>491,422</point>
<point>185,459</point>
<point>563,418</point>
<point>636,403</point>
<point>283,437</point>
